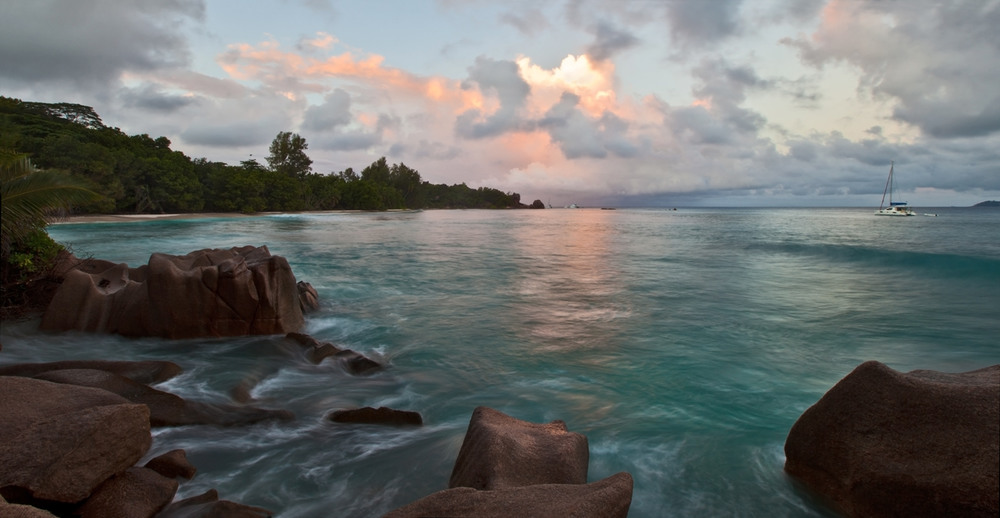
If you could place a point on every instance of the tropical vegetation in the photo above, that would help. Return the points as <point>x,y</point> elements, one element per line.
<point>142,174</point>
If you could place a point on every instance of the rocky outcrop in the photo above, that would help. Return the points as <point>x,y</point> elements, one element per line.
<point>145,372</point>
<point>885,443</point>
<point>350,361</point>
<point>138,492</point>
<point>212,292</point>
<point>509,467</point>
<point>208,505</point>
<point>173,464</point>
<point>165,409</point>
<point>69,444</point>
<point>501,451</point>
<point>607,498</point>
<point>381,415</point>
<point>60,442</point>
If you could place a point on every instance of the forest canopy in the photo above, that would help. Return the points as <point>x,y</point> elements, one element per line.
<point>141,174</point>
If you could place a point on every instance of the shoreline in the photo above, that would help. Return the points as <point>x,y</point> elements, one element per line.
<point>124,218</point>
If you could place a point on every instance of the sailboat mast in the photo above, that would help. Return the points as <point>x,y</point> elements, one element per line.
<point>888,183</point>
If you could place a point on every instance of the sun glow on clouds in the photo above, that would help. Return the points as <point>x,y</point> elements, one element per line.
<point>593,84</point>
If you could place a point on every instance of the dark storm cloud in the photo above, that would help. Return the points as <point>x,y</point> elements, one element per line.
<point>609,40</point>
<point>91,42</point>
<point>502,79</point>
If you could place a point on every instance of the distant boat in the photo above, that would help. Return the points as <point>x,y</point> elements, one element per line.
<point>895,208</point>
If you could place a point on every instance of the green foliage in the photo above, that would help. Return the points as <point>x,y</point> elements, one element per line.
<point>33,254</point>
<point>29,195</point>
<point>141,174</point>
<point>288,155</point>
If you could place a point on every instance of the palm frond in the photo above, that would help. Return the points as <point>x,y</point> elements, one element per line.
<point>29,195</point>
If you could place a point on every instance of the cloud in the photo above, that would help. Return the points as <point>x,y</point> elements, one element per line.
<point>334,112</point>
<point>151,97</point>
<point>529,21</point>
<point>935,61</point>
<point>609,40</point>
<point>90,43</point>
<point>499,79</point>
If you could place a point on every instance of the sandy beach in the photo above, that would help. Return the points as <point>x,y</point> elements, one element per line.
<point>117,218</point>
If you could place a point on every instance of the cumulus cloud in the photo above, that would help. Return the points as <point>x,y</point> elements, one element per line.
<point>334,112</point>
<point>913,53</point>
<point>90,43</point>
<point>502,80</point>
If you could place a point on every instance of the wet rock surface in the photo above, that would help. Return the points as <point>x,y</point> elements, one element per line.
<point>886,443</point>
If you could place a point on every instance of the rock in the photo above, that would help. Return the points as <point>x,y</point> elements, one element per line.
<point>308,298</point>
<point>59,442</point>
<point>607,498</point>
<point>316,351</point>
<point>172,464</point>
<point>500,452</point>
<point>885,443</point>
<point>208,505</point>
<point>8,510</point>
<point>146,372</point>
<point>233,292</point>
<point>165,409</point>
<point>23,511</point>
<point>136,493</point>
<point>380,415</point>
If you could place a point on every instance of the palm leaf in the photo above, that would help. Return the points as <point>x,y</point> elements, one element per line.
<point>28,195</point>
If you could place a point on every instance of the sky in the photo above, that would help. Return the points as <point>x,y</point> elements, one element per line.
<point>595,102</point>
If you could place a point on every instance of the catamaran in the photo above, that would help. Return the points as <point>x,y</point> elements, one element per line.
<point>895,208</point>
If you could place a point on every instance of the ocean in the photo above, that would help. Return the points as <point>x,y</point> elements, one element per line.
<point>684,344</point>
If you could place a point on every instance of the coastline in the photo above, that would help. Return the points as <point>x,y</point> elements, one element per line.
<point>120,218</point>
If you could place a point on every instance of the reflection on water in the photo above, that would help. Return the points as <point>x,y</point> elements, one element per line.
<point>683,344</point>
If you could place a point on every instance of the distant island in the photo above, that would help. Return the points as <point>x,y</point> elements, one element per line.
<point>990,203</point>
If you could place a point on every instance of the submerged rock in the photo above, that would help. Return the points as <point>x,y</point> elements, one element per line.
<point>381,415</point>
<point>501,451</point>
<point>885,443</point>
<point>212,292</point>
<point>165,409</point>
<point>316,351</point>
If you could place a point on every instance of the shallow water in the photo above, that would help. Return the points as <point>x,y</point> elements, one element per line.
<point>684,344</point>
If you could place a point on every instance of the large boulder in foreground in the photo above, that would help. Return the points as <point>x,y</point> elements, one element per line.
<point>501,451</point>
<point>211,292</point>
<point>885,443</point>
<point>608,498</point>
<point>60,442</point>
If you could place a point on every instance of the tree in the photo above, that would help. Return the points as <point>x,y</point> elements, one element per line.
<point>288,155</point>
<point>28,196</point>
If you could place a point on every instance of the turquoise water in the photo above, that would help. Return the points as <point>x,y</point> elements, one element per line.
<point>684,344</point>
